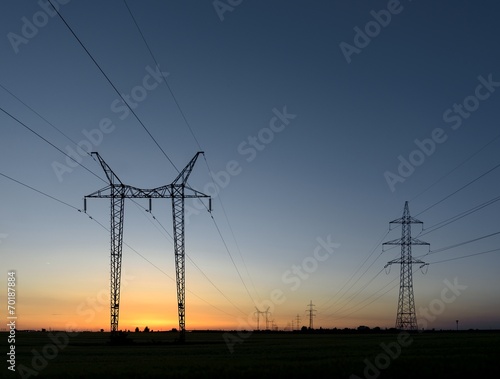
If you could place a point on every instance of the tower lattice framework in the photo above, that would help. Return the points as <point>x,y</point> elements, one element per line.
<point>406,318</point>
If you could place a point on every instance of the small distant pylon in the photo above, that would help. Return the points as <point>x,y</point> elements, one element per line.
<point>406,318</point>
<point>311,313</point>
<point>297,322</point>
<point>258,312</point>
<point>266,312</point>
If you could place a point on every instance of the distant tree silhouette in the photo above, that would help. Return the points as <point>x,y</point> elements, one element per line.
<point>146,330</point>
<point>137,329</point>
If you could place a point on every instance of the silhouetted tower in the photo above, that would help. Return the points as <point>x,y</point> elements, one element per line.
<point>298,321</point>
<point>258,312</point>
<point>267,317</point>
<point>311,314</point>
<point>116,191</point>
<point>178,190</point>
<point>406,318</point>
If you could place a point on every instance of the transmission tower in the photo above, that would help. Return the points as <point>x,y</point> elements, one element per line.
<point>311,313</point>
<point>266,312</point>
<point>118,192</point>
<point>406,318</point>
<point>258,312</point>
<point>298,322</point>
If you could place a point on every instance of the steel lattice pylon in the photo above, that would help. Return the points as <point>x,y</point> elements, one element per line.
<point>406,318</point>
<point>117,203</point>
<point>118,192</point>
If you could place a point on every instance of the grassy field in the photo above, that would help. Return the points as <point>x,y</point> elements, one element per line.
<point>257,355</point>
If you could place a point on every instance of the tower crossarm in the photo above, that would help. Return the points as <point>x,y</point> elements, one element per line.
<point>402,241</point>
<point>415,241</point>
<point>192,193</point>
<point>406,220</point>
<point>413,261</point>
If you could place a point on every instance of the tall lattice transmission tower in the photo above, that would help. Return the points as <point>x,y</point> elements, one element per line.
<point>311,314</point>
<point>406,318</point>
<point>117,191</point>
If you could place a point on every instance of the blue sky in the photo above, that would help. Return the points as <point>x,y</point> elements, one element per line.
<point>351,121</point>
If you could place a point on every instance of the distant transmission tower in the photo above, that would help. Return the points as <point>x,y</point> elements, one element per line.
<point>311,314</point>
<point>267,317</point>
<point>298,322</point>
<point>258,313</point>
<point>406,318</point>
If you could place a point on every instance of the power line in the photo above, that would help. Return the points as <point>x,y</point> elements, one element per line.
<point>112,85</point>
<point>457,217</point>
<point>465,256</point>
<point>457,167</point>
<point>47,141</point>
<point>164,78</point>
<point>460,244</point>
<point>463,214</point>
<point>53,198</point>
<point>232,233</point>
<point>199,146</point>
<point>137,204</point>
<point>194,137</point>
<point>232,260</point>
<point>357,270</point>
<point>39,115</point>
<point>40,192</point>
<point>353,296</point>
<point>390,289</point>
<point>170,238</point>
<point>106,229</point>
<point>163,272</point>
<point>460,189</point>
<point>364,306</point>
<point>436,226</point>
<point>360,266</point>
<point>213,284</point>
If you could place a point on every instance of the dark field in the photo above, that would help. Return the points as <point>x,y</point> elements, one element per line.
<point>473,354</point>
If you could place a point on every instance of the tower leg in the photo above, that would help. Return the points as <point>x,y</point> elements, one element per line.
<point>117,210</point>
<point>179,251</point>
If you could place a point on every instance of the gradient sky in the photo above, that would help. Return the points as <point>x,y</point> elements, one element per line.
<point>355,112</point>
